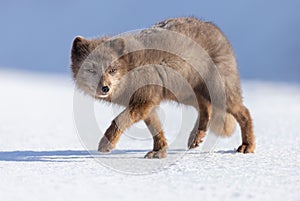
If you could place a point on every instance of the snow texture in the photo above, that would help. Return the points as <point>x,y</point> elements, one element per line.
<point>43,158</point>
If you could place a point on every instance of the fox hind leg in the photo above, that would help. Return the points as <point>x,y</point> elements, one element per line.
<point>242,115</point>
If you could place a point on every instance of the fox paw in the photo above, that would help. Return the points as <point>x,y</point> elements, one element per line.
<point>194,144</point>
<point>246,148</point>
<point>105,146</point>
<point>195,140</point>
<point>156,154</point>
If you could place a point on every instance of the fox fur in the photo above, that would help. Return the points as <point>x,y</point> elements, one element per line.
<point>140,80</point>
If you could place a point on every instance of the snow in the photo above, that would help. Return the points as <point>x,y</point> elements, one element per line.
<point>43,158</point>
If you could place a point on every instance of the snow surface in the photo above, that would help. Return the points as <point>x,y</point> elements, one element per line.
<point>43,158</point>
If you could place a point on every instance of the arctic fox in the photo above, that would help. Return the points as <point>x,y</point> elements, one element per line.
<point>140,80</point>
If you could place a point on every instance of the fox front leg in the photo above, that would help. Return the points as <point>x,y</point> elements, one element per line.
<point>124,120</point>
<point>201,125</point>
<point>110,138</point>
<point>159,141</point>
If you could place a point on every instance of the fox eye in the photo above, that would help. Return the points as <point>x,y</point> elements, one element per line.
<point>91,71</point>
<point>113,70</point>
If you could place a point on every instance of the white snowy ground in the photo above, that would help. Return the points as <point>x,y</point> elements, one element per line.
<point>42,157</point>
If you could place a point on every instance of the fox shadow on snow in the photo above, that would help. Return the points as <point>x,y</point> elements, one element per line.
<point>75,155</point>
<point>55,155</point>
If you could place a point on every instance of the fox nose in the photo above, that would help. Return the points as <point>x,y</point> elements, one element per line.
<point>105,89</point>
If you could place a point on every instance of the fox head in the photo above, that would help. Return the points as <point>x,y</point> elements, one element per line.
<point>98,65</point>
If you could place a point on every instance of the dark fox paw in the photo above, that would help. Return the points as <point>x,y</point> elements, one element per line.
<point>194,144</point>
<point>246,148</point>
<point>195,140</point>
<point>105,146</point>
<point>156,154</point>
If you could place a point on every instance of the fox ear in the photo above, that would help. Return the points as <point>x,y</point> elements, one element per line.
<point>80,47</point>
<point>80,51</point>
<point>118,45</point>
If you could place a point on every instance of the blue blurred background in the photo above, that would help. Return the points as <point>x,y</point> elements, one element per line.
<point>37,35</point>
